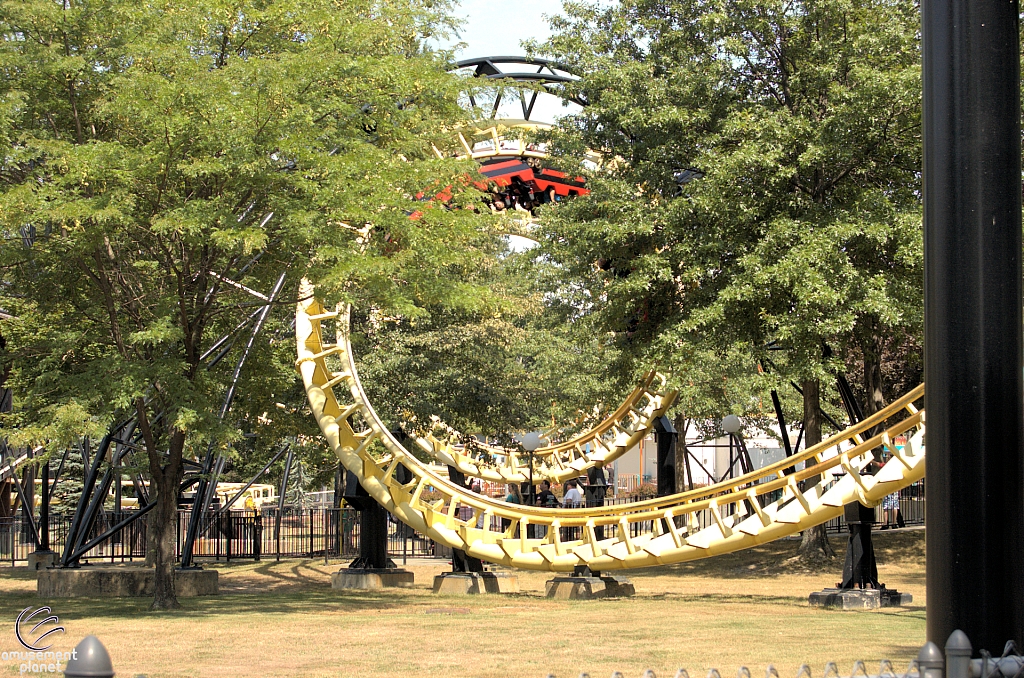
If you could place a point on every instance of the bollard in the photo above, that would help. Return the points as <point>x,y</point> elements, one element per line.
<point>958,655</point>
<point>930,662</point>
<point>90,660</point>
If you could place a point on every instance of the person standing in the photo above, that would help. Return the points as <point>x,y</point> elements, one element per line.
<point>546,496</point>
<point>572,498</point>
<point>514,496</point>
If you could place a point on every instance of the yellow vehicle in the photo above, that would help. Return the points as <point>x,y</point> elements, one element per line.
<point>127,502</point>
<point>254,498</point>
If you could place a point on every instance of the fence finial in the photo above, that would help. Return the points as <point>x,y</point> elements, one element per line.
<point>958,655</point>
<point>90,659</point>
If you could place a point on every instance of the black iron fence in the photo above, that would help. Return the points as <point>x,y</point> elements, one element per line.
<point>900,509</point>
<point>326,532</point>
<point>232,535</point>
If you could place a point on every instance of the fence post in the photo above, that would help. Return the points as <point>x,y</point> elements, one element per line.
<point>958,655</point>
<point>930,662</point>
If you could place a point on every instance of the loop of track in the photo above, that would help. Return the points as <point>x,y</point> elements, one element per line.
<point>629,424</point>
<point>778,500</point>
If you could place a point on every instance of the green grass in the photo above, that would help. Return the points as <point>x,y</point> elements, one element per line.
<point>283,619</point>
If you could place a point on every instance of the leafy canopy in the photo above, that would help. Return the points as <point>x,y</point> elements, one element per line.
<point>804,230</point>
<point>144,148</point>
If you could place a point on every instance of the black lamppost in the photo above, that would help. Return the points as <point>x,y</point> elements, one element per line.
<point>974,353</point>
<point>531,442</point>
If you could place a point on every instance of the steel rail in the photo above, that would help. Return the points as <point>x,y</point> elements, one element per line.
<point>603,443</point>
<point>738,513</point>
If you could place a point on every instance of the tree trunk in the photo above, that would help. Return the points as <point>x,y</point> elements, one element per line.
<point>166,473</point>
<point>682,478</point>
<point>874,398</point>
<point>164,539</point>
<point>814,544</point>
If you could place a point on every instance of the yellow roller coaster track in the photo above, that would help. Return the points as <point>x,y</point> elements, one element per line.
<point>607,441</point>
<point>758,507</point>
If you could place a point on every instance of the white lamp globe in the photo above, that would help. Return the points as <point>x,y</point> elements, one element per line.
<point>532,440</point>
<point>732,424</point>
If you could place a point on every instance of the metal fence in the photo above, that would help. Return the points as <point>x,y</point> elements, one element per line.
<point>232,535</point>
<point>931,662</point>
<point>911,508</point>
<point>320,533</point>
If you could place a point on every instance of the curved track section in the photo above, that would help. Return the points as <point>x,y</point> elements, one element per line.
<point>770,503</point>
<point>610,439</point>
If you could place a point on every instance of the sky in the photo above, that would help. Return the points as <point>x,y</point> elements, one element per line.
<point>496,27</point>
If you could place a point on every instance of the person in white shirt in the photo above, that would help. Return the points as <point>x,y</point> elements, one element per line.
<point>572,498</point>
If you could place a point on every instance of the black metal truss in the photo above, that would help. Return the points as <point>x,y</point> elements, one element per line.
<point>512,70</point>
<point>127,441</point>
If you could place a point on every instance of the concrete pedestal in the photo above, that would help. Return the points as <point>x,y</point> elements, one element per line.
<point>40,560</point>
<point>858,599</point>
<point>121,582</point>
<point>371,579</point>
<point>588,588</point>
<point>468,583</point>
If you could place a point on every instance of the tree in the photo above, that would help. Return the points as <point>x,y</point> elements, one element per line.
<point>511,365</point>
<point>761,187</point>
<point>153,153</point>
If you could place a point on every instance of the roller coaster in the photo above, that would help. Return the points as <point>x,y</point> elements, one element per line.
<point>736,513</point>
<point>780,499</point>
<point>751,509</point>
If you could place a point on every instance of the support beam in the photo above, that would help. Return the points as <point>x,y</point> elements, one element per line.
<point>783,431</point>
<point>238,495</point>
<point>973,342</point>
<point>207,484</point>
<point>666,436</point>
<point>280,500</point>
<point>44,510</point>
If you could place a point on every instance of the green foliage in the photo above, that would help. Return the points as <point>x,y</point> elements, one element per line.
<point>156,156</point>
<point>511,366</point>
<point>142,147</point>
<point>69,486</point>
<point>805,229</point>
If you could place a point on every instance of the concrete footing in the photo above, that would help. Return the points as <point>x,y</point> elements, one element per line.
<point>858,599</point>
<point>371,579</point>
<point>468,583</point>
<point>40,560</point>
<point>588,588</point>
<point>121,582</point>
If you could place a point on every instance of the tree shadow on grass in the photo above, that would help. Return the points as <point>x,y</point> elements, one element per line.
<point>900,548</point>
<point>277,577</point>
<point>306,602</point>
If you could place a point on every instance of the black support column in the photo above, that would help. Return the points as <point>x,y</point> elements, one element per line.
<point>666,436</point>
<point>973,347</point>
